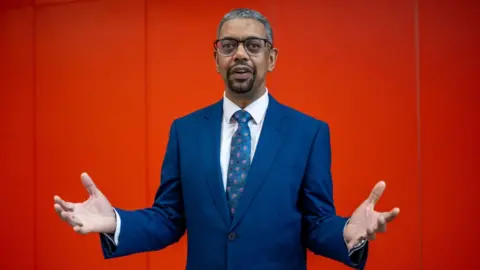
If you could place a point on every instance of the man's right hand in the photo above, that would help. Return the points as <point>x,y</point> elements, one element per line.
<point>93,215</point>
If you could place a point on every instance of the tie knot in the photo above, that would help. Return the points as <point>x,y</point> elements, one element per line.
<point>242,117</point>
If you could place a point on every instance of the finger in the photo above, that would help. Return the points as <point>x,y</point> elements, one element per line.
<point>59,210</point>
<point>77,228</point>
<point>370,234</point>
<point>67,216</point>
<point>389,216</point>
<point>352,244</point>
<point>89,184</point>
<point>67,206</point>
<point>71,219</point>
<point>359,238</point>
<point>377,192</point>
<point>80,229</point>
<point>382,224</point>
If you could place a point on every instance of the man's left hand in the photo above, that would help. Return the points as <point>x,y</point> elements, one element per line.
<point>365,222</point>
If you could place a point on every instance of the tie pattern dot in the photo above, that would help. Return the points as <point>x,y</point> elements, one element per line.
<point>239,163</point>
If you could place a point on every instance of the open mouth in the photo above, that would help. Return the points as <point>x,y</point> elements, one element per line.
<point>241,73</point>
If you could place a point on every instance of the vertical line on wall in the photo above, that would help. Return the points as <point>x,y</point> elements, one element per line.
<point>147,171</point>
<point>34,137</point>
<point>419,164</point>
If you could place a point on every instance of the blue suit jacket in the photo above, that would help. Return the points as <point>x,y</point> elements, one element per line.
<point>287,206</point>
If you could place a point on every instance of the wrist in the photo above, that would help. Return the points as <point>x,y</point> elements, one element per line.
<point>347,235</point>
<point>350,238</point>
<point>110,223</point>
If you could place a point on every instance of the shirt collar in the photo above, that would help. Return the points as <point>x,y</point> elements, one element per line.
<point>257,109</point>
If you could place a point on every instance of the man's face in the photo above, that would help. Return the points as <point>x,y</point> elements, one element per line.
<point>245,68</point>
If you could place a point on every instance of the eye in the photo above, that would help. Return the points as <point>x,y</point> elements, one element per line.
<point>227,44</point>
<point>254,45</point>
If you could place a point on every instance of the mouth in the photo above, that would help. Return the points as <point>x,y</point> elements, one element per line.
<point>241,73</point>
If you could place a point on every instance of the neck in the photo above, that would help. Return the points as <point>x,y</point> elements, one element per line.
<point>244,99</point>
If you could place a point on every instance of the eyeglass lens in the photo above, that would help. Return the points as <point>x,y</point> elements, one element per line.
<point>251,45</point>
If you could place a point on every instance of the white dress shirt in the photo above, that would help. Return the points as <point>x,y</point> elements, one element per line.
<point>257,110</point>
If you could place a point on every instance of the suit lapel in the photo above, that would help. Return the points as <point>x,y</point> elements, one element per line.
<point>210,143</point>
<point>266,151</point>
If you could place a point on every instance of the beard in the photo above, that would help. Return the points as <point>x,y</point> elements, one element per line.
<point>241,86</point>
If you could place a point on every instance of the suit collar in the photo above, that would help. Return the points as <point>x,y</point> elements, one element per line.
<point>275,110</point>
<point>257,108</point>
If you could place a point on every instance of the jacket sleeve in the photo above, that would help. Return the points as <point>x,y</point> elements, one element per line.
<point>160,225</point>
<point>324,229</point>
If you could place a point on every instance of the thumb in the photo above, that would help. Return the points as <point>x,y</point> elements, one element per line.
<point>88,184</point>
<point>377,192</point>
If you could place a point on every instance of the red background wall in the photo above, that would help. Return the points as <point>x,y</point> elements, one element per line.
<point>94,85</point>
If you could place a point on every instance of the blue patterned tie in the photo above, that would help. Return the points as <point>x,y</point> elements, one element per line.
<point>239,159</point>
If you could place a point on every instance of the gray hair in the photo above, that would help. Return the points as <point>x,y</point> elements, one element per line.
<point>246,13</point>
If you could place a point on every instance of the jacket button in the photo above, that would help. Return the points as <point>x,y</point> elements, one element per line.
<point>232,236</point>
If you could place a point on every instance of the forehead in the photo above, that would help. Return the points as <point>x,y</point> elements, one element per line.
<point>242,28</point>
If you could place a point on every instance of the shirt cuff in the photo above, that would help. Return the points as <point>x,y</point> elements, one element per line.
<point>114,237</point>
<point>358,246</point>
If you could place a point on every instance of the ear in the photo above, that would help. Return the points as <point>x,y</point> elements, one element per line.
<point>215,56</point>
<point>272,59</point>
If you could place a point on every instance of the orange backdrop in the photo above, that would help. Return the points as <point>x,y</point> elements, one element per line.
<point>94,85</point>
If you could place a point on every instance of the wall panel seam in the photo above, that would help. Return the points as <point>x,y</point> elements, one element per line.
<point>35,137</point>
<point>418,116</point>
<point>145,78</point>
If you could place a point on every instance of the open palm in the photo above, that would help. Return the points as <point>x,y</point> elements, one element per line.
<point>365,222</point>
<point>93,215</point>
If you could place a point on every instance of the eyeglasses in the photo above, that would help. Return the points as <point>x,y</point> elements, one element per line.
<point>228,46</point>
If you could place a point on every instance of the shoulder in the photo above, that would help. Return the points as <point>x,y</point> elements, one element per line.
<point>302,120</point>
<point>196,116</point>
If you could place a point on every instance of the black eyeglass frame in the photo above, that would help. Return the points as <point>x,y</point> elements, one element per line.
<point>238,41</point>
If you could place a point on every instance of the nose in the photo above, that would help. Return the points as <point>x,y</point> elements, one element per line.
<point>240,53</point>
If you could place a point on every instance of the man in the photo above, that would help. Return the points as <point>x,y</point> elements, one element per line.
<point>247,176</point>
